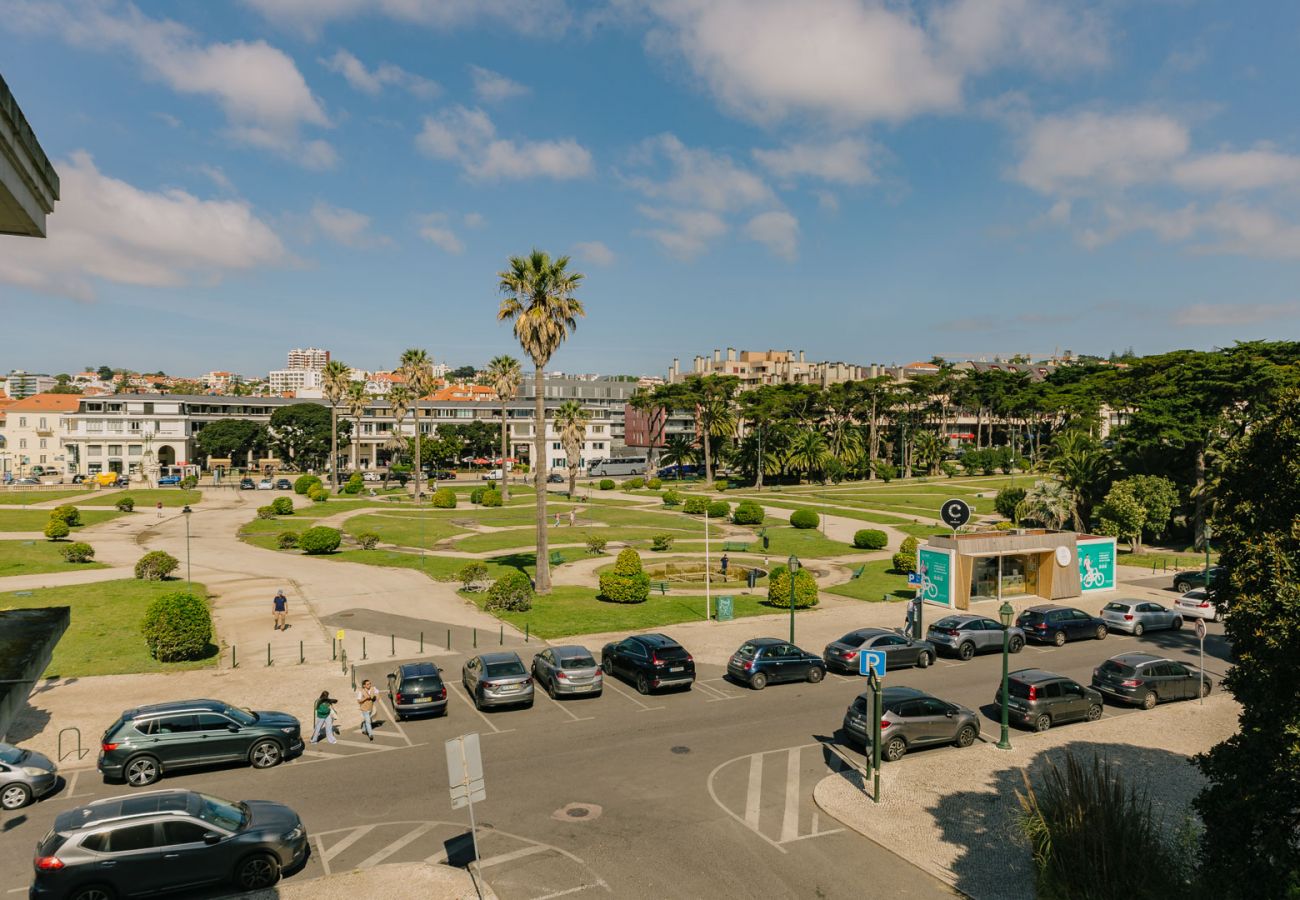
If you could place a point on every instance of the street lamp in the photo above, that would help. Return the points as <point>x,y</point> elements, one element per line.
<point>1005,614</point>
<point>186,510</point>
<point>793,564</point>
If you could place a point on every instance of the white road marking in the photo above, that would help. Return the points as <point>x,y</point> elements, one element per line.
<point>72,783</point>
<point>411,836</point>
<point>717,694</point>
<point>754,791</point>
<point>356,835</point>
<point>622,693</point>
<point>512,855</point>
<point>573,890</point>
<point>456,689</point>
<point>392,719</point>
<point>790,818</point>
<point>572,716</point>
<point>320,847</point>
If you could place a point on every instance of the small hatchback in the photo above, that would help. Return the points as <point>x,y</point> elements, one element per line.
<point>1039,699</point>
<point>1139,616</point>
<point>911,718</point>
<point>1049,624</point>
<point>649,661</point>
<point>764,661</point>
<point>966,635</point>
<point>416,689</point>
<point>1145,680</point>
<point>1198,604</point>
<point>25,775</point>
<point>568,670</point>
<point>900,650</point>
<point>497,679</point>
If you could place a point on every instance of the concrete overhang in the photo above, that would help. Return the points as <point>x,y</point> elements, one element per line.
<point>29,186</point>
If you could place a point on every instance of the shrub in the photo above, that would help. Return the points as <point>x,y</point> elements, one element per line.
<point>696,506</point>
<point>718,509</point>
<point>57,529</point>
<point>471,574</point>
<point>68,515</point>
<point>155,565</point>
<point>721,484</point>
<point>949,468</point>
<point>607,484</point>
<point>354,484</point>
<point>177,626</point>
<point>627,583</point>
<point>491,497</point>
<point>512,592</point>
<point>444,498</point>
<point>905,558</point>
<point>595,543</point>
<point>476,495</point>
<point>1007,500</point>
<point>661,542</point>
<point>125,504</point>
<point>304,483</point>
<point>77,552</point>
<point>633,484</point>
<point>654,483</point>
<point>266,512</point>
<point>672,498</point>
<point>1004,526</point>
<point>283,506</point>
<point>367,540</point>
<point>748,513</point>
<point>778,588</point>
<point>189,482</point>
<point>318,494</point>
<point>320,539</point>
<point>870,539</point>
<point>805,518</point>
<point>287,540</point>
<point>885,471</point>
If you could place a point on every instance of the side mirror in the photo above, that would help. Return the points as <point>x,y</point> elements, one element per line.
<point>211,837</point>
<point>232,728</point>
<point>950,714</point>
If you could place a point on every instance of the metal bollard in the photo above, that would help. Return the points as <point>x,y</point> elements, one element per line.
<point>503,636</point>
<point>421,641</point>
<point>234,662</point>
<point>448,638</point>
<point>475,638</point>
<point>301,659</point>
<point>268,654</point>
<point>334,649</point>
<point>392,644</point>
<point>525,632</point>
<point>344,654</point>
<point>363,647</point>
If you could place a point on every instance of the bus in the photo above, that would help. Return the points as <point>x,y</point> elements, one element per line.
<point>623,465</point>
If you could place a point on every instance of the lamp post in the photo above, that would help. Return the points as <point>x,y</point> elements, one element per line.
<point>1005,614</point>
<point>186,510</point>
<point>1207,559</point>
<point>793,564</point>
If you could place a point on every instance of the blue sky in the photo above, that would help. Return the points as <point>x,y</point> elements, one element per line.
<point>869,182</point>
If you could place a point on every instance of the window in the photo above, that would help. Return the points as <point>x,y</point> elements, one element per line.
<point>182,832</point>
<point>43,446</point>
<point>114,449</point>
<point>42,423</point>
<point>213,722</point>
<point>94,449</point>
<point>1050,690</point>
<point>22,421</point>
<point>135,450</point>
<point>176,725</point>
<point>133,837</point>
<point>931,706</point>
<point>22,443</point>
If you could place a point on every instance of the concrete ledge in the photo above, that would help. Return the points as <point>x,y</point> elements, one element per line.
<point>407,881</point>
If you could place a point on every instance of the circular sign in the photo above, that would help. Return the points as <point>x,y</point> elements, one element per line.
<point>1200,628</point>
<point>1062,556</point>
<point>955,513</point>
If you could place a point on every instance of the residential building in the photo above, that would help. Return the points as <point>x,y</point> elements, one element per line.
<point>608,393</point>
<point>755,368</point>
<point>19,384</point>
<point>222,382</point>
<point>34,431</point>
<point>307,358</point>
<point>294,381</point>
<point>29,186</point>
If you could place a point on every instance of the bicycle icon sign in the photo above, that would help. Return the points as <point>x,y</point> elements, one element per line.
<point>1094,578</point>
<point>929,590</point>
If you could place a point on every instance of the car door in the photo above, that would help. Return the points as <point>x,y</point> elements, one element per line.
<point>187,859</point>
<point>1074,701</point>
<point>1172,681</point>
<point>1161,616</point>
<point>217,741</point>
<point>779,662</point>
<point>1183,680</point>
<point>470,677</point>
<point>129,857</point>
<point>797,663</point>
<point>899,653</point>
<point>986,634</point>
<point>932,723</point>
<point>175,741</point>
<point>544,667</point>
<point>635,659</point>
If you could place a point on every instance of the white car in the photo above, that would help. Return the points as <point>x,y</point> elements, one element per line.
<point>494,475</point>
<point>1197,604</point>
<point>266,484</point>
<point>371,476</point>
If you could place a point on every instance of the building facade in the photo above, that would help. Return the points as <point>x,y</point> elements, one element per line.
<point>756,368</point>
<point>293,381</point>
<point>34,432</point>
<point>307,358</point>
<point>19,384</point>
<point>29,186</point>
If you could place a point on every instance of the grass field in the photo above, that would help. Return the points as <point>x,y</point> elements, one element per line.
<point>1165,561</point>
<point>26,498</point>
<point>405,531</point>
<point>803,542</point>
<point>145,498</point>
<point>36,557</point>
<point>859,514</point>
<point>447,568</point>
<point>35,519</point>
<point>104,637</point>
<point>877,581</point>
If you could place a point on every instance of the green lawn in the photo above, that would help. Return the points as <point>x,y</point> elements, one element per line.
<point>921,532</point>
<point>877,581</point>
<point>103,637</point>
<point>523,537</point>
<point>35,519</point>
<point>145,498</point>
<point>806,543</point>
<point>36,557</point>
<point>860,515</point>
<point>405,531</point>
<point>26,498</point>
<point>1165,561</point>
<point>447,568</point>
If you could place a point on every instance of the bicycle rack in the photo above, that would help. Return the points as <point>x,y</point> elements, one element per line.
<point>81,754</point>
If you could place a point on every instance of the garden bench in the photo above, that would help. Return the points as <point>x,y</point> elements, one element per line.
<point>735,546</point>
<point>857,573</point>
<point>660,586</point>
<point>556,557</point>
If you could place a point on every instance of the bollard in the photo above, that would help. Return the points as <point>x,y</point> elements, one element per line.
<point>334,649</point>
<point>344,654</point>
<point>301,659</point>
<point>475,638</point>
<point>525,632</point>
<point>363,647</point>
<point>392,644</point>
<point>503,636</point>
<point>421,642</point>
<point>234,663</point>
<point>268,654</point>
<point>448,638</point>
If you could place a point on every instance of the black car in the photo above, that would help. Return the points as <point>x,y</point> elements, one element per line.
<point>555,478</point>
<point>771,660</point>
<point>164,841</point>
<point>247,484</point>
<point>149,741</point>
<point>283,484</point>
<point>1145,680</point>
<point>78,479</point>
<point>899,649</point>
<point>1049,624</point>
<point>1196,578</point>
<point>1040,699</point>
<point>417,688</point>
<point>649,661</point>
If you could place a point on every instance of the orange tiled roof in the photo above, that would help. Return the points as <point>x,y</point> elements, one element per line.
<point>463,392</point>
<point>46,403</point>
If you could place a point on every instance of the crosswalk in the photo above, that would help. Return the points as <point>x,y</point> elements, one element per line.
<point>770,793</point>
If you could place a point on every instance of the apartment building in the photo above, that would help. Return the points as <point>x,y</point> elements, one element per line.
<point>307,358</point>
<point>294,381</point>
<point>755,368</point>
<point>19,384</point>
<point>34,428</point>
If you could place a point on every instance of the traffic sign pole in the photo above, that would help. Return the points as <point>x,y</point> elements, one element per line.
<point>1200,634</point>
<point>876,696</point>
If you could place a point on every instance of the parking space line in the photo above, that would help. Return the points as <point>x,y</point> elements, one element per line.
<point>790,818</point>
<point>719,694</point>
<point>392,719</point>
<point>572,716</point>
<point>72,783</point>
<point>838,676</point>
<point>512,856</point>
<point>356,835</point>
<point>622,693</point>
<point>572,890</point>
<point>320,851</point>
<point>457,689</point>
<point>411,836</point>
<point>754,790</point>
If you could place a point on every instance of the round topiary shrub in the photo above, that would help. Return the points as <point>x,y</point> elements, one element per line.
<point>696,506</point>
<point>905,558</point>
<point>77,552</point>
<point>805,518</point>
<point>654,483</point>
<point>633,484</point>
<point>870,539</point>
<point>125,504</point>
<point>595,544</point>
<point>491,497</point>
<point>189,482</point>
<point>367,540</point>
<point>661,542</point>
<point>672,498</point>
<point>266,512</point>
<point>476,495</point>
<point>471,574</point>
<point>304,483</point>
<point>444,498</point>
<point>155,565</point>
<point>318,494</point>
<point>354,484</point>
<point>282,506</point>
<point>778,588</point>
<point>56,529</point>
<point>287,540</point>
<point>1007,500</point>
<point>719,509</point>
<point>747,513</point>
<point>721,484</point>
<point>320,539</point>
<point>607,484</point>
<point>627,583</point>
<point>177,627</point>
<point>68,515</point>
<point>512,592</point>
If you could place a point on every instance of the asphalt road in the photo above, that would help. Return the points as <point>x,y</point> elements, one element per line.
<point>690,794</point>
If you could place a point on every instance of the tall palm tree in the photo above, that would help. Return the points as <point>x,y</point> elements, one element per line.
<point>335,378</point>
<point>503,376</point>
<point>1048,502</point>
<point>358,401</point>
<point>715,413</point>
<point>1083,466</point>
<point>416,367</point>
<point>678,452</point>
<point>399,402</point>
<point>539,300</point>
<point>927,450</point>
<point>571,423</point>
<point>809,450</point>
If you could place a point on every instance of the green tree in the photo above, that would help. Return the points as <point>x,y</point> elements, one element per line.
<point>304,433</point>
<point>679,452</point>
<point>233,439</point>
<point>358,401</point>
<point>1083,466</point>
<point>416,368</point>
<point>571,423</point>
<point>462,373</point>
<point>540,302</point>
<point>504,376</point>
<point>715,413</point>
<point>1049,503</point>
<point>808,451</point>
<point>334,385</point>
<point>1122,515</point>
<point>399,404</point>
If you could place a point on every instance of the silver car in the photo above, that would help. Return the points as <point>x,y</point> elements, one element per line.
<point>966,635</point>
<point>1136,616</point>
<point>911,718</point>
<point>568,669</point>
<point>24,776</point>
<point>497,679</point>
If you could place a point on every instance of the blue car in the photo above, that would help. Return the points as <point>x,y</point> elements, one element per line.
<point>683,471</point>
<point>770,660</point>
<point>169,479</point>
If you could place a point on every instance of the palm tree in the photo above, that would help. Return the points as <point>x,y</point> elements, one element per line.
<point>358,401</point>
<point>678,452</point>
<point>571,423</point>
<point>1081,463</point>
<point>541,304</point>
<point>417,368</point>
<point>1048,502</point>
<point>504,375</point>
<point>808,451</point>
<point>399,401</point>
<point>927,451</point>
<point>715,413</point>
<point>335,378</point>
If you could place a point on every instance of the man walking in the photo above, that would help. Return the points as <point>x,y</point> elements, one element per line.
<point>280,609</point>
<point>573,517</point>
<point>725,563</point>
<point>366,697</point>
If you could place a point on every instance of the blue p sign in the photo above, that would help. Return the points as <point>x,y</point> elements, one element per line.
<point>872,661</point>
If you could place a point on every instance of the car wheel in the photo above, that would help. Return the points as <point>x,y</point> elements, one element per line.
<point>816,674</point>
<point>1205,689</point>
<point>1218,616</point>
<point>1102,631</point>
<point>15,796</point>
<point>256,872</point>
<point>606,666</point>
<point>1094,712</point>
<point>966,650</point>
<point>266,755</point>
<point>758,682</point>
<point>142,771</point>
<point>1138,629</point>
<point>550,689</point>
<point>92,892</point>
<point>1182,587</point>
<point>1016,644</point>
<point>966,736</point>
<point>1059,639</point>
<point>1042,722</point>
<point>924,660</point>
<point>1149,700</point>
<point>642,685</point>
<point>894,750</point>
<point>1177,623</point>
<point>478,701</point>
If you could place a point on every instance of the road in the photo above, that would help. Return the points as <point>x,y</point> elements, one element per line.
<point>690,794</point>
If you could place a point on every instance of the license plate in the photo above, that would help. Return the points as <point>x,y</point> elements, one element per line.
<point>579,688</point>
<point>676,668</point>
<point>508,688</point>
<point>423,700</point>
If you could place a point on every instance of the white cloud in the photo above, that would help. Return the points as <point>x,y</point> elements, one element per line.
<point>1047,35</point>
<point>697,177</point>
<point>474,220</point>
<point>1235,314</point>
<point>844,161</point>
<point>1243,171</point>
<point>217,176</point>
<point>107,229</point>
<point>468,137</point>
<point>345,226</point>
<point>373,82</point>
<point>526,16</point>
<point>594,252</point>
<point>436,228</point>
<point>493,87</point>
<point>686,233</point>
<point>827,201</point>
<point>1069,151</point>
<point>778,231</point>
<point>1226,228</point>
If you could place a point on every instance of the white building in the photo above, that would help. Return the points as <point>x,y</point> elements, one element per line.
<point>24,384</point>
<point>308,358</point>
<point>33,434</point>
<point>294,380</point>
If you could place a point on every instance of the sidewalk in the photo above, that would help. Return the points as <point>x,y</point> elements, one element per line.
<point>404,881</point>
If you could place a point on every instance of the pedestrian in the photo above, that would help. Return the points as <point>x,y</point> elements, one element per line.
<point>725,563</point>
<point>280,609</point>
<point>325,718</point>
<point>160,509</point>
<point>767,562</point>
<point>557,519</point>
<point>573,517</point>
<point>366,697</point>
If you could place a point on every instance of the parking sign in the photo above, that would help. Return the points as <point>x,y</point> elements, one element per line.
<point>872,661</point>
<point>1200,629</point>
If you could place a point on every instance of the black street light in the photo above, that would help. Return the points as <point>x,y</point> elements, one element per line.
<point>1005,614</point>
<point>793,564</point>
<point>186,510</point>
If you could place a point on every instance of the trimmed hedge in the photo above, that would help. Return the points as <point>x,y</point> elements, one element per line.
<point>748,513</point>
<point>627,583</point>
<point>471,573</point>
<point>125,504</point>
<point>672,498</point>
<point>444,498</point>
<point>318,494</point>
<point>905,558</point>
<point>661,542</point>
<point>1007,500</point>
<point>805,518</point>
<point>189,482</point>
<point>68,515</point>
<point>266,512</point>
<point>287,540</point>
<point>304,483</point>
<point>606,484</point>
<point>367,540</point>
<point>512,592</point>
<point>177,626</point>
<point>654,484</point>
<point>77,552</point>
<point>718,509</point>
<point>633,484</point>
<point>696,506</point>
<point>354,484</point>
<point>476,495</point>
<point>721,484</point>
<point>283,506</point>
<point>57,529</point>
<point>320,539</point>
<point>778,588</point>
<point>155,565</point>
<point>491,497</point>
<point>870,539</point>
<point>595,543</point>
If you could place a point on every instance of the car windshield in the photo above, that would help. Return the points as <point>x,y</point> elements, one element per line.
<point>853,639</point>
<point>222,813</point>
<point>577,662</point>
<point>11,754</point>
<point>242,716</point>
<point>1117,607</point>
<point>1115,667</point>
<point>498,669</point>
<point>1030,617</point>
<point>950,622</point>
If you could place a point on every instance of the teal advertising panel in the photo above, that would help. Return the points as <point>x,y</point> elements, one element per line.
<point>935,567</point>
<point>1097,565</point>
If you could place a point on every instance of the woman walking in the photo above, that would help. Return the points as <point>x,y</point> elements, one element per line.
<point>325,718</point>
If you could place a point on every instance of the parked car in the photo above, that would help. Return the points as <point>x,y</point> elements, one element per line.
<point>911,718</point>
<point>965,635</point>
<point>266,484</point>
<point>682,471</point>
<point>555,478</point>
<point>78,479</point>
<point>497,679</point>
<point>1198,604</point>
<point>1195,578</point>
<point>166,841</point>
<point>25,775</point>
<point>761,661</point>
<point>283,484</point>
<point>443,475</point>
<point>149,741</point>
<point>105,479</point>
<point>1138,616</point>
<point>649,661</point>
<point>28,481</point>
<point>568,669</point>
<point>494,475</point>
<point>246,484</point>
<point>900,650</point>
<point>1039,699</point>
<point>1145,680</point>
<point>417,688</point>
<point>169,480</point>
<point>1050,624</point>
<point>371,476</point>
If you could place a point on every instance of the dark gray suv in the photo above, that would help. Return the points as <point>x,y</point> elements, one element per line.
<point>1041,699</point>
<point>162,841</point>
<point>146,742</point>
<point>1145,680</point>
